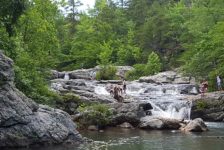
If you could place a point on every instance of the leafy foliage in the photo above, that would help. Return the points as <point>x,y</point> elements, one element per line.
<point>151,35</point>
<point>107,72</point>
<point>96,114</point>
<point>153,65</point>
<point>201,105</point>
<point>139,70</point>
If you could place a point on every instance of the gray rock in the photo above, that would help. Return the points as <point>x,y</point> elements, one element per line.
<point>196,125</point>
<point>149,122</point>
<point>92,128</point>
<point>171,77</point>
<point>6,72</point>
<point>128,112</point>
<point>57,75</point>
<point>81,88</point>
<point>190,89</point>
<point>88,73</point>
<point>125,125</point>
<point>163,77</point>
<point>181,80</point>
<point>24,123</point>
<point>83,73</point>
<point>209,108</point>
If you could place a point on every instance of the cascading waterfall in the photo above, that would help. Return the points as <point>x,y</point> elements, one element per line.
<point>66,77</point>
<point>166,100</point>
<point>101,90</point>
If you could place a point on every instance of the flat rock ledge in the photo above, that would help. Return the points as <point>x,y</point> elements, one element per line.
<point>24,123</point>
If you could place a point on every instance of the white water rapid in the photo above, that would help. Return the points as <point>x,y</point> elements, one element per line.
<point>166,99</point>
<point>66,77</point>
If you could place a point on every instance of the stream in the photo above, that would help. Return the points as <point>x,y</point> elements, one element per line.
<point>135,139</point>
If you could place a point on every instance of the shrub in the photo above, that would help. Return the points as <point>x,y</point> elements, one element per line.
<point>153,65</point>
<point>70,97</point>
<point>136,73</point>
<point>107,72</point>
<point>201,105</point>
<point>96,114</point>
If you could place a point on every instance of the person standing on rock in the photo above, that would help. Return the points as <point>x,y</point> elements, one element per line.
<point>124,86</point>
<point>204,87</point>
<point>219,83</point>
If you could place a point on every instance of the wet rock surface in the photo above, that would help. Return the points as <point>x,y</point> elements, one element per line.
<point>23,122</point>
<point>196,125</point>
<point>149,122</point>
<point>209,107</point>
<point>169,94</point>
<point>129,112</point>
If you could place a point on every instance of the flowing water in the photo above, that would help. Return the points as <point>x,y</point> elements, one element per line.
<point>134,139</point>
<point>126,139</point>
<point>66,77</point>
<point>166,101</point>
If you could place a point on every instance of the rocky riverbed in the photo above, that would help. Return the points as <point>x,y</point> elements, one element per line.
<point>162,101</point>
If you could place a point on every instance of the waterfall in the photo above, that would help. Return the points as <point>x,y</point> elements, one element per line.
<point>166,100</point>
<point>66,77</point>
<point>101,90</point>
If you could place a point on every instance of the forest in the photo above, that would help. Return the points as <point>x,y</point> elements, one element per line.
<point>150,35</point>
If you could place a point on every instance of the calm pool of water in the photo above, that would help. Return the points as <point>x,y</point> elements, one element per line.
<point>125,139</point>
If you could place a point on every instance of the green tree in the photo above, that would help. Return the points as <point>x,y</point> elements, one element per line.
<point>10,11</point>
<point>153,65</point>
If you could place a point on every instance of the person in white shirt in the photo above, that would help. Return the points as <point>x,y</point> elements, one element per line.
<point>219,83</point>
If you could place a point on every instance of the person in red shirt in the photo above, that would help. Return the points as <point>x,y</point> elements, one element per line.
<point>204,87</point>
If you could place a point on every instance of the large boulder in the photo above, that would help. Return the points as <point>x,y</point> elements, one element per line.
<point>209,107</point>
<point>129,112</point>
<point>150,122</point>
<point>23,122</point>
<point>196,125</point>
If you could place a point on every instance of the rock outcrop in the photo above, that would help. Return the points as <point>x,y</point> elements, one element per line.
<point>88,73</point>
<point>196,125</point>
<point>167,77</point>
<point>186,85</point>
<point>149,122</point>
<point>209,108</point>
<point>81,88</point>
<point>25,123</point>
<point>129,112</point>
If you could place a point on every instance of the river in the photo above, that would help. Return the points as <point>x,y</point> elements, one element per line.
<point>135,139</point>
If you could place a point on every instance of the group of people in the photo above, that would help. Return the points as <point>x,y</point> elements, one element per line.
<point>204,85</point>
<point>117,90</point>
